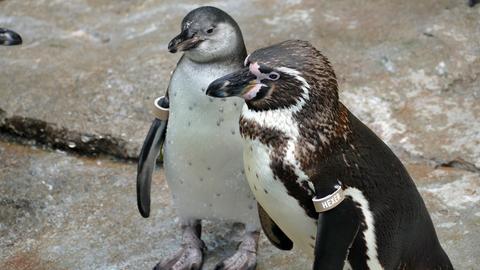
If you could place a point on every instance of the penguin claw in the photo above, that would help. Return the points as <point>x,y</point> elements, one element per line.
<point>241,260</point>
<point>187,258</point>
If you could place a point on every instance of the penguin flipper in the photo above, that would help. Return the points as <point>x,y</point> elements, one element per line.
<point>276,236</point>
<point>146,164</point>
<point>336,231</point>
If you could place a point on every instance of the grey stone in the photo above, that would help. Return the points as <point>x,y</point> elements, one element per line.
<point>59,211</point>
<point>94,67</point>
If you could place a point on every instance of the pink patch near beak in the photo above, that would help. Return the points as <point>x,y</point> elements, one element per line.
<point>255,70</point>
<point>252,93</point>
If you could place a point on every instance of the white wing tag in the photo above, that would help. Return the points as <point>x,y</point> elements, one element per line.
<point>159,111</point>
<point>330,201</point>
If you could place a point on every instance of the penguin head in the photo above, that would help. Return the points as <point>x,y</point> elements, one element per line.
<point>209,34</point>
<point>285,75</point>
<point>8,37</point>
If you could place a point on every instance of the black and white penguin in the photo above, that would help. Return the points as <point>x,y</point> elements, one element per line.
<point>323,180</point>
<point>9,37</point>
<point>472,3</point>
<point>201,141</point>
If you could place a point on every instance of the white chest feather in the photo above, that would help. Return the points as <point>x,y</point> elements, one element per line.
<point>270,192</point>
<point>273,196</point>
<point>203,160</point>
<point>287,213</point>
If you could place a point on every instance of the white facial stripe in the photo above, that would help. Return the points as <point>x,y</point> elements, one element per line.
<point>246,61</point>
<point>305,87</point>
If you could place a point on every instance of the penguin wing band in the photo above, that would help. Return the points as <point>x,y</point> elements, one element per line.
<point>159,111</point>
<point>330,201</point>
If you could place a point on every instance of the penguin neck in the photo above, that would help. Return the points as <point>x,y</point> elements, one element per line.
<point>294,120</point>
<point>233,55</point>
<point>325,126</point>
<point>233,61</point>
<point>307,135</point>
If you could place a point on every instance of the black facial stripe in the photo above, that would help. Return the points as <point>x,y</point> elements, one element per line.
<point>261,93</point>
<point>264,69</point>
<point>246,62</point>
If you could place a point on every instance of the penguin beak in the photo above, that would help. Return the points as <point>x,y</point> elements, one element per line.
<point>185,41</point>
<point>8,37</point>
<point>239,83</point>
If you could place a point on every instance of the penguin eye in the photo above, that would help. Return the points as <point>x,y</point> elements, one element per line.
<point>274,76</point>
<point>210,30</point>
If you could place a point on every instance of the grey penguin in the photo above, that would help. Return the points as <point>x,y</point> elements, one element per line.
<point>9,37</point>
<point>202,147</point>
<point>323,180</point>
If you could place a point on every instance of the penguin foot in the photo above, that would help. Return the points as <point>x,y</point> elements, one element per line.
<point>190,256</point>
<point>241,260</point>
<point>246,256</point>
<point>187,258</point>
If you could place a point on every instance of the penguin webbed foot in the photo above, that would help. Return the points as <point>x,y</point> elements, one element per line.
<point>190,256</point>
<point>187,258</point>
<point>246,256</point>
<point>472,3</point>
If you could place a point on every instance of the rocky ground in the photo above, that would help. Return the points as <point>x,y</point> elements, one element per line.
<point>81,83</point>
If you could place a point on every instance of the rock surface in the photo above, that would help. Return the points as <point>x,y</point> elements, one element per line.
<point>59,211</point>
<point>88,70</point>
<point>410,70</point>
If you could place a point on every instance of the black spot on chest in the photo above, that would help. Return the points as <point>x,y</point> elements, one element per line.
<point>282,171</point>
<point>286,174</point>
